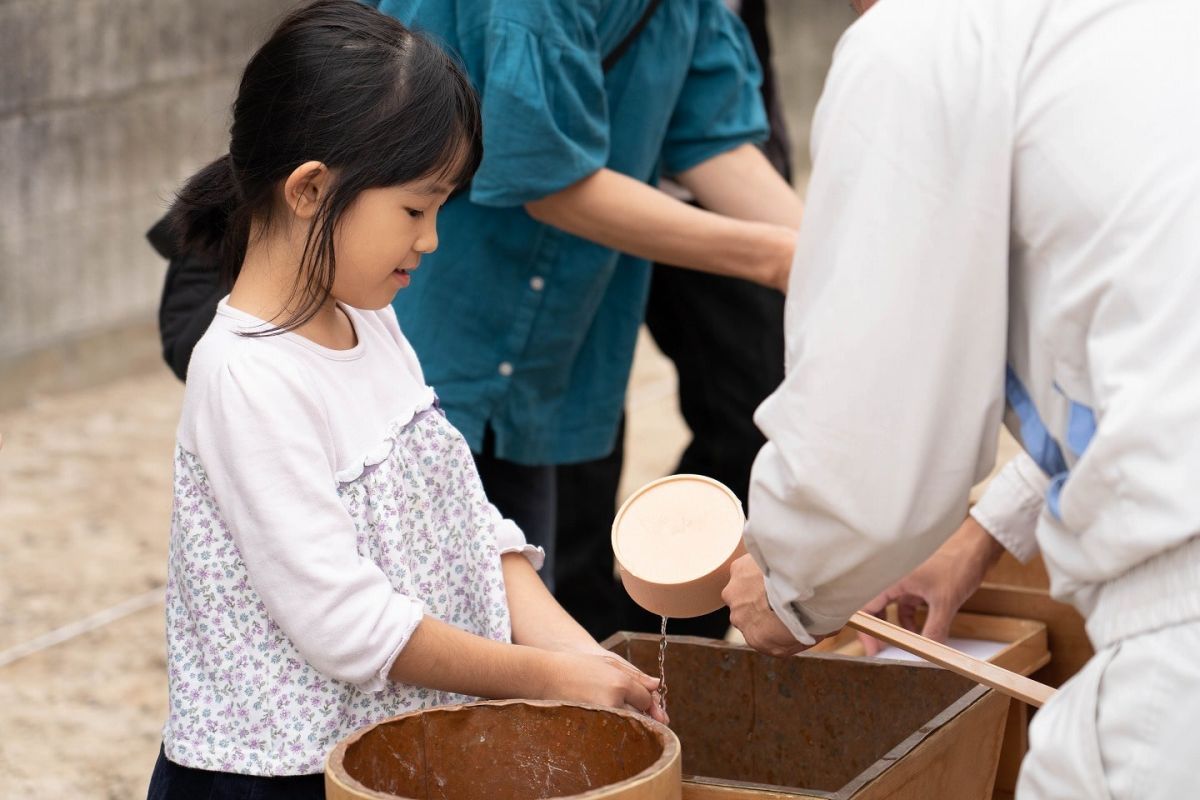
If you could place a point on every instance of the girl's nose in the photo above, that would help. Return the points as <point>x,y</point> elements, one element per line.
<point>427,242</point>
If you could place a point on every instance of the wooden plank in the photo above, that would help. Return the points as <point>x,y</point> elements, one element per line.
<point>1010,683</point>
<point>1026,650</point>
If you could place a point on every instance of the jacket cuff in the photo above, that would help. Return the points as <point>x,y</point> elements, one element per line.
<point>1010,507</point>
<point>380,681</point>
<point>800,621</point>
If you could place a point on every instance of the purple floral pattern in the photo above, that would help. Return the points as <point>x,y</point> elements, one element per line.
<point>242,699</point>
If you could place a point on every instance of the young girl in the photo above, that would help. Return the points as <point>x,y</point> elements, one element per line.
<point>333,558</point>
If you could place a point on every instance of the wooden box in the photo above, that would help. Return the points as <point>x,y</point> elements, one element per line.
<point>1024,650</point>
<point>824,726</point>
<point>1065,631</point>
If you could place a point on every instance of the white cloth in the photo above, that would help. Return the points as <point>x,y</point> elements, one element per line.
<point>968,151</point>
<point>1011,505</point>
<point>1124,727</point>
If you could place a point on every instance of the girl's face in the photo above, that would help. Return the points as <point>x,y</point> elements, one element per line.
<point>380,239</point>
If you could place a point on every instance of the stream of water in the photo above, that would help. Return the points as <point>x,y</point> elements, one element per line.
<point>662,665</point>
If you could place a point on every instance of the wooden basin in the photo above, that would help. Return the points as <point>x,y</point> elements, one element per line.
<point>508,750</point>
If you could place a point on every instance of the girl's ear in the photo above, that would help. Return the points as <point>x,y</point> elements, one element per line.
<point>306,187</point>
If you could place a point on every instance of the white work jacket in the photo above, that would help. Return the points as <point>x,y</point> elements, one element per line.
<point>1004,211</point>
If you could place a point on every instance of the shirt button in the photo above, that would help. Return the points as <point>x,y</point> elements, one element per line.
<point>506,369</point>
<point>537,283</point>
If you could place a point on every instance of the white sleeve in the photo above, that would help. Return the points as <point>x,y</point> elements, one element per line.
<point>511,539</point>
<point>895,325</point>
<point>263,440</point>
<point>1011,505</point>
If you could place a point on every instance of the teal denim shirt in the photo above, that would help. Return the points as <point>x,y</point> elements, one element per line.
<point>519,325</point>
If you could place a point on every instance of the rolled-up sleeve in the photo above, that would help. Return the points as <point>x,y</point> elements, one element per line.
<point>720,106</point>
<point>1010,507</point>
<point>896,325</point>
<point>545,114</point>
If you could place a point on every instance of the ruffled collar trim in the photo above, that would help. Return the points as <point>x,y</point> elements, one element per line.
<point>427,403</point>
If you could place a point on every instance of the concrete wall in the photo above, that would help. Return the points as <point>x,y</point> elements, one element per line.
<point>105,106</point>
<point>803,36</point>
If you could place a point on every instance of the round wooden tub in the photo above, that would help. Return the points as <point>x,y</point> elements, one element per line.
<point>508,750</point>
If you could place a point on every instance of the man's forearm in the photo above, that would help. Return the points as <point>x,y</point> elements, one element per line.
<point>617,211</point>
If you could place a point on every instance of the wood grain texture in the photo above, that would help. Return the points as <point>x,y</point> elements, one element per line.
<point>1026,643</point>
<point>1014,748</point>
<point>1010,683</point>
<point>1027,651</point>
<point>1066,636</point>
<point>821,726</point>
<point>1007,571</point>
<point>508,750</point>
<point>962,755</point>
<point>705,791</point>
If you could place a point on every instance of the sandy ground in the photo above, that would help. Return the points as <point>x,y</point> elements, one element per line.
<point>85,494</point>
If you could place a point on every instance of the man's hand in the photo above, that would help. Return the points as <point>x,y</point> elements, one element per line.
<point>750,613</point>
<point>943,583</point>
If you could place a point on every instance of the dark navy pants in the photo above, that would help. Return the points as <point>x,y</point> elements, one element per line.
<point>526,495</point>
<point>171,781</point>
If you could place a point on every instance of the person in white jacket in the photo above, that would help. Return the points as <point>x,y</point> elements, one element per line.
<point>1004,210</point>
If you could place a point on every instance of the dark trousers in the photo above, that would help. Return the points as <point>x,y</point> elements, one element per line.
<point>170,781</point>
<point>726,339</point>
<point>524,494</point>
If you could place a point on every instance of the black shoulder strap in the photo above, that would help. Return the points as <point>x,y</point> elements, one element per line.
<point>612,58</point>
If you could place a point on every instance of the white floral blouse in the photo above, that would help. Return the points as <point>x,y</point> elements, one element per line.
<point>288,598</point>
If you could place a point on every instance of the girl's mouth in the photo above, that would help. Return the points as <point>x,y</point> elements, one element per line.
<point>401,277</point>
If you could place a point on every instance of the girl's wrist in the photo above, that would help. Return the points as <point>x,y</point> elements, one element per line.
<point>546,667</point>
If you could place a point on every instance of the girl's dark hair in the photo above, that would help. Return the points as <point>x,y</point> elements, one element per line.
<point>340,83</point>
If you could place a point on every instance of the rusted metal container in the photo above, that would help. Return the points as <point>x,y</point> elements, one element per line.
<point>508,750</point>
<point>825,726</point>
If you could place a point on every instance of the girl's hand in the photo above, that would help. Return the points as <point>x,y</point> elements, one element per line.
<point>604,680</point>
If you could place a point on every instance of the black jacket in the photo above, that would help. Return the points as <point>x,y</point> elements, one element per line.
<point>189,299</point>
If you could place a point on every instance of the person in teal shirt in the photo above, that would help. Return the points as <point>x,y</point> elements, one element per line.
<point>526,316</point>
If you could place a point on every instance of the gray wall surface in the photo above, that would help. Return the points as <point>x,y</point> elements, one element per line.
<point>803,36</point>
<point>105,106</point>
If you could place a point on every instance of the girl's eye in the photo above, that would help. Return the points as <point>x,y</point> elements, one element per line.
<point>415,213</point>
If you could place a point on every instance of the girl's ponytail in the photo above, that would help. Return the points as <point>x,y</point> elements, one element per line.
<point>209,216</point>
